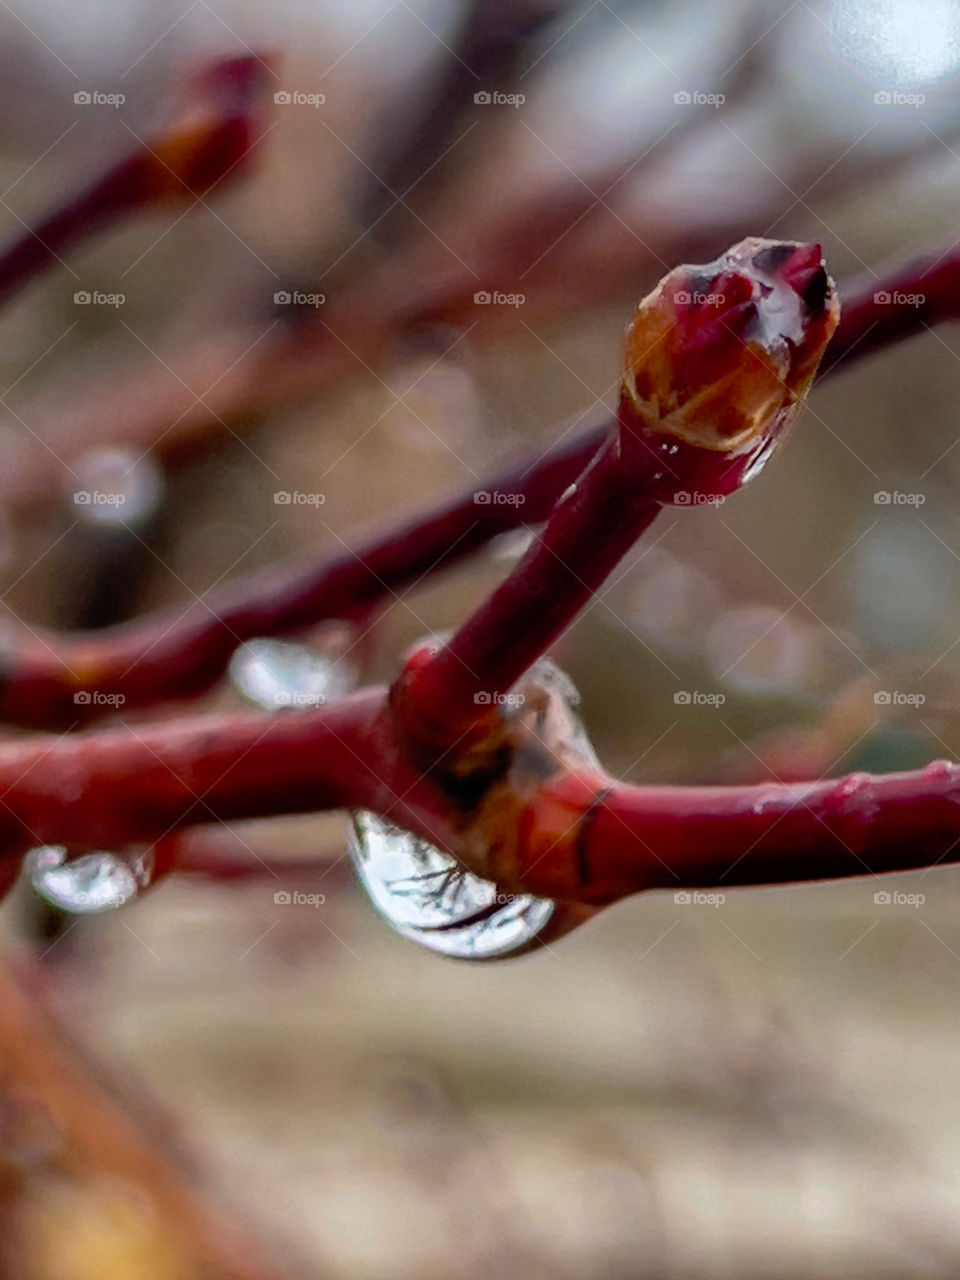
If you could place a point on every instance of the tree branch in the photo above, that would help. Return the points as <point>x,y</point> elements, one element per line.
<point>718,359</point>
<point>175,653</point>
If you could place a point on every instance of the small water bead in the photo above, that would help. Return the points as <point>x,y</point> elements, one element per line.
<point>758,649</point>
<point>671,604</point>
<point>115,487</point>
<point>88,885</point>
<point>275,674</point>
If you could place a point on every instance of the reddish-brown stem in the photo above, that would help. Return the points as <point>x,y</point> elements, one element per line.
<point>681,837</point>
<point>903,300</point>
<point>516,624</point>
<point>132,784</point>
<point>174,654</point>
<point>579,835</point>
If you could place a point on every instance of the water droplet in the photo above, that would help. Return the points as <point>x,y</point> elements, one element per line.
<point>88,885</point>
<point>758,649</point>
<point>671,604</point>
<point>428,897</point>
<point>941,770</point>
<point>275,674</point>
<point>422,892</point>
<point>115,486</point>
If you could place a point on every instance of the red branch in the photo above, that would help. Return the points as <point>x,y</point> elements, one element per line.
<point>718,358</point>
<point>904,300</point>
<point>578,835</point>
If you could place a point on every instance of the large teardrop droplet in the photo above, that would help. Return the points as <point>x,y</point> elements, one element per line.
<point>429,898</point>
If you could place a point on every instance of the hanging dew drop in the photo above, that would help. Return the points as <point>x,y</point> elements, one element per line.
<point>422,892</point>
<point>429,898</point>
<point>89,885</point>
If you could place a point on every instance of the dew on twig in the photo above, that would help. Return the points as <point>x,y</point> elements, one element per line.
<point>88,885</point>
<point>429,898</point>
<point>275,673</point>
<point>115,487</point>
<point>421,891</point>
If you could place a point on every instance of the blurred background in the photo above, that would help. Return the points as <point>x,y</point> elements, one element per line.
<point>759,1088</point>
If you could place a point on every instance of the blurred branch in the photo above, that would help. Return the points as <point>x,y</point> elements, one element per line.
<point>100,1145</point>
<point>174,653</point>
<point>207,139</point>
<point>902,300</point>
<point>489,48</point>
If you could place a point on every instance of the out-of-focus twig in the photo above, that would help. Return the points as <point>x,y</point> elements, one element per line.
<point>116,1159</point>
<point>204,140</point>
